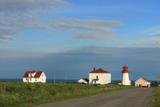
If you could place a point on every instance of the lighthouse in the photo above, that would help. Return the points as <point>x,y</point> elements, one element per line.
<point>125,76</point>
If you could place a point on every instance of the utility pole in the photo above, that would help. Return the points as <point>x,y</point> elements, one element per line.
<point>54,81</point>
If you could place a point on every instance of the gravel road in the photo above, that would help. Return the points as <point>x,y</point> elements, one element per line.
<point>137,97</point>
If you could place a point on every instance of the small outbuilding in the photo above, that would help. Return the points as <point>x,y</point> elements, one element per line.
<point>83,81</point>
<point>142,82</point>
<point>34,77</point>
<point>99,76</point>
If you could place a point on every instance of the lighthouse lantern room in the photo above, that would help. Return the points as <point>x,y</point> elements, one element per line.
<point>125,76</point>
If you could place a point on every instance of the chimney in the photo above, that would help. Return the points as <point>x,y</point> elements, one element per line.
<point>94,69</point>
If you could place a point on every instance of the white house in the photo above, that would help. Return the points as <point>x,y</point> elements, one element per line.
<point>142,82</point>
<point>83,81</point>
<point>99,76</point>
<point>34,76</point>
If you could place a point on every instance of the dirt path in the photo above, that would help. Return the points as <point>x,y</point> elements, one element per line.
<point>137,97</point>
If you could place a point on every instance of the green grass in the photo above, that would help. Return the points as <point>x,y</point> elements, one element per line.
<point>24,95</point>
<point>155,102</point>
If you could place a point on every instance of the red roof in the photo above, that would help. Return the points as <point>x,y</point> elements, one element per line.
<point>100,70</point>
<point>36,75</point>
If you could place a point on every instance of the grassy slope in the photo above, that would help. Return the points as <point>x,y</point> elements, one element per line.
<point>155,102</point>
<point>20,94</point>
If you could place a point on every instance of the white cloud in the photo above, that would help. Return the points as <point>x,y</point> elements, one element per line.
<point>95,35</point>
<point>153,31</point>
<point>29,5</point>
<point>147,38</point>
<point>153,36</point>
<point>18,15</point>
<point>88,29</point>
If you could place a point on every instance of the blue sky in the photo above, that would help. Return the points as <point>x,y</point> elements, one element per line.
<point>49,30</point>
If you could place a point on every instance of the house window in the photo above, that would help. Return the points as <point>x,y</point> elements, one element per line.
<point>26,79</point>
<point>96,77</point>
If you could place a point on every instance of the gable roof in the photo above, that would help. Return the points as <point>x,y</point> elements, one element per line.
<point>100,70</point>
<point>143,79</point>
<point>37,74</point>
<point>86,79</point>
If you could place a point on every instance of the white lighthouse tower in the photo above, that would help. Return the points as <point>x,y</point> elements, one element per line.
<point>125,76</point>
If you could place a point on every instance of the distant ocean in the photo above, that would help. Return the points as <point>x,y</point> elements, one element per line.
<point>49,80</point>
<point>62,81</point>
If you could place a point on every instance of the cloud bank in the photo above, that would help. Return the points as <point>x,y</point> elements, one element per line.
<point>77,63</point>
<point>89,29</point>
<point>19,15</point>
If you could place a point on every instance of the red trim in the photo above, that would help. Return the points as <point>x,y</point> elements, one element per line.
<point>99,71</point>
<point>125,69</point>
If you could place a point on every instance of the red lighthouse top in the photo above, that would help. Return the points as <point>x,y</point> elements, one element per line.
<point>125,69</point>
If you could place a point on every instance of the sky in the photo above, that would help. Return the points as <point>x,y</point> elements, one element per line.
<point>68,38</point>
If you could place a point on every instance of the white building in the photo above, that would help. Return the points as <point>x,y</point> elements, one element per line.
<point>34,76</point>
<point>99,76</point>
<point>142,82</point>
<point>125,76</point>
<point>83,81</point>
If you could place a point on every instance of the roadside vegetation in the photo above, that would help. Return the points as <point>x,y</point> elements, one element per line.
<point>24,95</point>
<point>155,102</point>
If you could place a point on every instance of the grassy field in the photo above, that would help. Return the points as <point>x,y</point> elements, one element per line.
<point>155,102</point>
<point>24,95</point>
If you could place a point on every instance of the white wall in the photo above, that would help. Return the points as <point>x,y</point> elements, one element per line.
<point>125,79</point>
<point>104,78</point>
<point>142,82</point>
<point>82,81</point>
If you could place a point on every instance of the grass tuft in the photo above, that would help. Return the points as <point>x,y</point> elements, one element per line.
<point>155,100</point>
